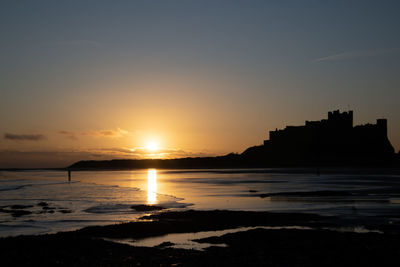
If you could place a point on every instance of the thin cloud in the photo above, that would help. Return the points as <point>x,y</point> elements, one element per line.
<point>24,137</point>
<point>106,133</point>
<point>68,135</point>
<point>358,54</point>
<point>86,43</point>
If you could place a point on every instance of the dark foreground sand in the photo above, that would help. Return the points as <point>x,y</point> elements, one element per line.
<point>258,247</point>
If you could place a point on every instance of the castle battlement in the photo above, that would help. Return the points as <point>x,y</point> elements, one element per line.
<point>334,132</point>
<point>337,122</point>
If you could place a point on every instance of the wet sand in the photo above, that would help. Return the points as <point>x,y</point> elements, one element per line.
<point>257,247</point>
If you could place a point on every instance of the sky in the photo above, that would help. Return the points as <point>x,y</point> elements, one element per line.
<point>84,80</point>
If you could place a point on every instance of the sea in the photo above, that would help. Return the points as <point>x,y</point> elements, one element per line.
<point>45,201</point>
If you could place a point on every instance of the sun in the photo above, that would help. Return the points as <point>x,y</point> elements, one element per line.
<point>152,146</point>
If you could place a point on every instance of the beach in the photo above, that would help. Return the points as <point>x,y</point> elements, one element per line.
<point>229,217</point>
<point>199,133</point>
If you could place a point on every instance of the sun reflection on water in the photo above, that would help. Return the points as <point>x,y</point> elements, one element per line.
<point>151,186</point>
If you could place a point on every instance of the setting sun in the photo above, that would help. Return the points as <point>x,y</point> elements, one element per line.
<point>152,146</point>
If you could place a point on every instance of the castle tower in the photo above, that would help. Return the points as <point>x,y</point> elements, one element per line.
<point>339,120</point>
<point>382,126</point>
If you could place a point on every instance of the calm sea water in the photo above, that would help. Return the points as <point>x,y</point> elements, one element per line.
<point>99,198</point>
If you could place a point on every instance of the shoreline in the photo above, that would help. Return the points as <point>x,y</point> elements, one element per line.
<point>301,247</point>
<point>395,170</point>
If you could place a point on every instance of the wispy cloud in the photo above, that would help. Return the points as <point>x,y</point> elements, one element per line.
<point>69,135</point>
<point>24,137</point>
<point>106,133</point>
<point>87,43</point>
<point>358,54</point>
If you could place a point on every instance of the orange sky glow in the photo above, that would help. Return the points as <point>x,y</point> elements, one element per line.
<point>199,78</point>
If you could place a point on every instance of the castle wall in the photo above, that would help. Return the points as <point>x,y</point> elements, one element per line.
<point>336,124</point>
<point>333,135</point>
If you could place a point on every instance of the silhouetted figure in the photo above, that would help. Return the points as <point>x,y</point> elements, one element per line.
<point>69,175</point>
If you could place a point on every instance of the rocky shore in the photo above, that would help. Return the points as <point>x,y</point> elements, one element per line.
<point>324,241</point>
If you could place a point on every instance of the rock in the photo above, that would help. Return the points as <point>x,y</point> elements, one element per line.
<point>146,207</point>
<point>19,213</point>
<point>65,211</point>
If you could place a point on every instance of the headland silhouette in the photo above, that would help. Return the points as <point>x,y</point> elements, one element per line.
<point>328,142</point>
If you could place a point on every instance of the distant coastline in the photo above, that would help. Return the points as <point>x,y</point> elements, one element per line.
<point>221,163</point>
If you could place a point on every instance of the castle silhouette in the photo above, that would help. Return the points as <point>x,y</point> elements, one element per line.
<point>328,141</point>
